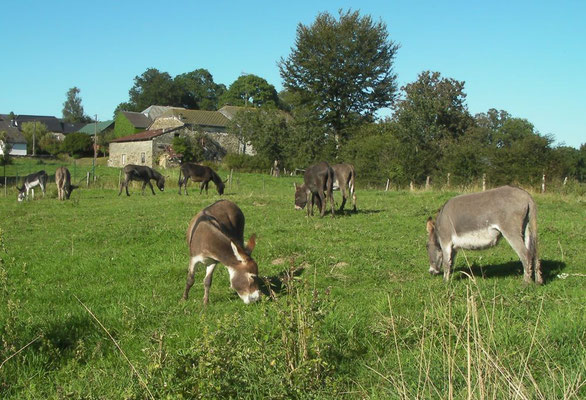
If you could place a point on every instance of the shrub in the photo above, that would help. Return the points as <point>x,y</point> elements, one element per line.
<point>246,163</point>
<point>77,144</point>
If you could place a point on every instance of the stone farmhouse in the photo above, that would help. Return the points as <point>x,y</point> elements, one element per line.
<point>148,147</point>
<point>143,148</point>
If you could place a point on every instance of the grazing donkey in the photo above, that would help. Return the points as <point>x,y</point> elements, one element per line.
<point>344,176</point>
<point>63,181</point>
<point>30,181</point>
<point>144,174</point>
<point>216,234</point>
<point>200,173</point>
<point>477,221</point>
<point>318,181</point>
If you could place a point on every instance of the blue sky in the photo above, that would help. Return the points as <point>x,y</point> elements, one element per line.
<point>525,57</point>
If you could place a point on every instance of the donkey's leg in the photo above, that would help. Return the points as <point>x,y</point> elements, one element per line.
<point>323,203</point>
<point>207,282</point>
<point>448,255</point>
<point>143,186</point>
<point>531,245</point>
<point>537,268</point>
<point>344,194</point>
<point>151,186</point>
<point>329,196</point>
<point>121,186</point>
<point>518,244</point>
<point>190,275</point>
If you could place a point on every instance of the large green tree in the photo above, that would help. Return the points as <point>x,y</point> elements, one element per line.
<point>72,108</point>
<point>198,90</point>
<point>266,129</point>
<point>153,87</point>
<point>431,116</point>
<point>250,90</point>
<point>341,69</point>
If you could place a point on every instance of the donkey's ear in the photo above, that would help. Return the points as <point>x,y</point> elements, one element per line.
<point>251,243</point>
<point>429,225</point>
<point>236,252</point>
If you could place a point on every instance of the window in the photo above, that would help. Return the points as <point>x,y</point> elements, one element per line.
<point>142,158</point>
<point>123,159</point>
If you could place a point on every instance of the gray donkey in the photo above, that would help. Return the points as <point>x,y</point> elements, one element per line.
<point>477,221</point>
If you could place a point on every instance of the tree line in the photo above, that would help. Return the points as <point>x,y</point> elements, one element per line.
<point>338,75</point>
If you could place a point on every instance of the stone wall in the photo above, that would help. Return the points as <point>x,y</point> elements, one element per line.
<point>132,152</point>
<point>153,148</point>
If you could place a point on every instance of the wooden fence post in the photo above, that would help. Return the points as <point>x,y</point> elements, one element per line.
<point>543,184</point>
<point>230,179</point>
<point>88,178</point>
<point>448,185</point>
<point>483,182</point>
<point>565,181</point>
<point>411,187</point>
<point>388,183</point>
<point>427,184</point>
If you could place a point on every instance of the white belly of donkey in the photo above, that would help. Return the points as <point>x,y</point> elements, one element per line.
<point>476,240</point>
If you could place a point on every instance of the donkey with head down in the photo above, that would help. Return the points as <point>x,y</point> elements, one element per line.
<point>200,173</point>
<point>63,181</point>
<point>30,182</point>
<point>318,182</point>
<point>143,174</point>
<point>216,235</point>
<point>477,221</point>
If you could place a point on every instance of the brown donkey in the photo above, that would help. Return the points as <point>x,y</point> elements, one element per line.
<point>63,181</point>
<point>216,235</point>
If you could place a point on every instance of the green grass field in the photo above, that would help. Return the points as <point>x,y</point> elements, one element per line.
<point>90,301</point>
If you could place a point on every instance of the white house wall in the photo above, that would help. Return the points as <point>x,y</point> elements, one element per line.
<point>18,149</point>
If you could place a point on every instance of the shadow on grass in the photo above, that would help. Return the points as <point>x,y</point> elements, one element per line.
<point>549,270</point>
<point>62,339</point>
<point>273,285</point>
<point>349,213</point>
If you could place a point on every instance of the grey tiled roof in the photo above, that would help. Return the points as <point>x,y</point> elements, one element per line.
<point>137,119</point>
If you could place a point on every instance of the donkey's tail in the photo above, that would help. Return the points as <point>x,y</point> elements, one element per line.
<point>352,186</point>
<point>531,241</point>
<point>329,187</point>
